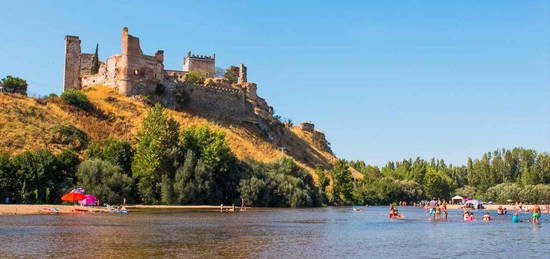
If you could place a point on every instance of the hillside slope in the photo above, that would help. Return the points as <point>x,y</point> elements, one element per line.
<point>27,123</point>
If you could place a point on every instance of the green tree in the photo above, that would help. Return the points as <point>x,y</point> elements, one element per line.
<point>39,177</point>
<point>436,184</point>
<point>13,84</point>
<point>342,183</point>
<point>157,142</point>
<point>105,181</point>
<point>7,178</point>
<point>114,151</point>
<point>95,61</point>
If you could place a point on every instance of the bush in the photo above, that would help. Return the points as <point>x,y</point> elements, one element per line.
<point>69,135</point>
<point>14,85</point>
<point>105,181</point>
<point>182,96</point>
<point>76,98</point>
<point>195,78</point>
<point>159,89</point>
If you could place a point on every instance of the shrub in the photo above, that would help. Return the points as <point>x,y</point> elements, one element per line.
<point>159,89</point>
<point>195,78</point>
<point>182,96</point>
<point>69,135</point>
<point>231,74</point>
<point>105,181</point>
<point>14,85</point>
<point>76,98</point>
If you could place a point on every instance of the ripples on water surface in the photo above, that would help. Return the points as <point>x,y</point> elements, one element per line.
<point>273,233</point>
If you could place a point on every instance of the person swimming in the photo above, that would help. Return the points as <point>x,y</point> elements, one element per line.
<point>486,217</point>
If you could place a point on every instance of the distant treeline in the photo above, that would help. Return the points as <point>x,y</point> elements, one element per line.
<point>500,176</point>
<point>167,165</point>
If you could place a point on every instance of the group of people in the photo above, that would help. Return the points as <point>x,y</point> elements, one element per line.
<point>437,210</point>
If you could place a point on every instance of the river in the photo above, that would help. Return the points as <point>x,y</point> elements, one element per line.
<point>333,232</point>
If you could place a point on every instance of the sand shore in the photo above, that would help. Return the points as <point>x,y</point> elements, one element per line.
<point>30,209</point>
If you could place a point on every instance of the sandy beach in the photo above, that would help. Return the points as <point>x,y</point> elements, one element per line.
<point>29,209</point>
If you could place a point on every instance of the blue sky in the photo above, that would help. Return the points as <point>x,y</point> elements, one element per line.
<point>384,81</point>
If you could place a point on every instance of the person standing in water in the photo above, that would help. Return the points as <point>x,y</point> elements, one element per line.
<point>515,217</point>
<point>536,214</point>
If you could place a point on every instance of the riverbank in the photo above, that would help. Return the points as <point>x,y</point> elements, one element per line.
<point>32,209</point>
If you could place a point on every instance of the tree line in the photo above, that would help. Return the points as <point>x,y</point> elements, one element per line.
<point>516,175</point>
<point>166,165</point>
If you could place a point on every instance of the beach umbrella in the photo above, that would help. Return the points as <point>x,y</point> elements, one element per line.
<point>88,200</point>
<point>72,197</point>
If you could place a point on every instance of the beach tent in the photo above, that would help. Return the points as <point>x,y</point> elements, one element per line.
<point>457,199</point>
<point>476,204</point>
<point>88,200</point>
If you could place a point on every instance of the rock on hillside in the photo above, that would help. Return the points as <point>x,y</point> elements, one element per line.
<point>31,124</point>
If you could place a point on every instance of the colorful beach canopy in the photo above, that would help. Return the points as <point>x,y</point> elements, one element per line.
<point>88,200</point>
<point>73,197</point>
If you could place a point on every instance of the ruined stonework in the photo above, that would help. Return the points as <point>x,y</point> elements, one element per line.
<point>134,73</point>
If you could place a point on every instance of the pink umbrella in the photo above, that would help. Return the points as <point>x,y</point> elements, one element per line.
<point>88,200</point>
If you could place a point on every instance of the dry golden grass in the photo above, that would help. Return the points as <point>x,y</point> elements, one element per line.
<point>25,124</point>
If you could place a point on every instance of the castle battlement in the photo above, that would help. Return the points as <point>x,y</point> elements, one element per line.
<point>134,73</point>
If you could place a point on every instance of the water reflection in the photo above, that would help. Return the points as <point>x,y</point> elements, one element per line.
<point>286,233</point>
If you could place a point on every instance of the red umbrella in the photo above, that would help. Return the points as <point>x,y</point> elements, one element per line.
<point>73,197</point>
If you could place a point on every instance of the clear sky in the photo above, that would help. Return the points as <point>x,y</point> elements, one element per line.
<point>385,80</point>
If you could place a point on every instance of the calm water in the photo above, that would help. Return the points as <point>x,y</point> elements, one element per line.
<point>271,233</point>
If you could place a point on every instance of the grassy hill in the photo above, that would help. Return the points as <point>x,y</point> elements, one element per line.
<point>30,124</point>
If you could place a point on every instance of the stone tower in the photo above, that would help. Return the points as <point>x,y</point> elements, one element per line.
<point>197,63</point>
<point>71,78</point>
<point>242,73</point>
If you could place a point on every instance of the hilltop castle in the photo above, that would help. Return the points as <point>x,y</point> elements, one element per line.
<point>134,73</point>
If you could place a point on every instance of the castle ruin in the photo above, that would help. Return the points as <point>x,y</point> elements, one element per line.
<point>134,73</point>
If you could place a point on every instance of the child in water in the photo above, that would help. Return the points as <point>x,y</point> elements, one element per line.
<point>468,216</point>
<point>486,217</point>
